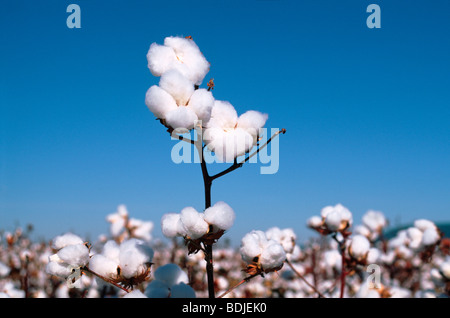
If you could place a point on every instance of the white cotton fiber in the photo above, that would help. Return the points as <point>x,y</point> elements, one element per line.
<point>194,223</point>
<point>4,270</point>
<point>314,221</point>
<point>76,255</point>
<point>374,220</point>
<point>103,265</point>
<point>220,215</point>
<point>134,294</point>
<point>178,86</point>
<point>359,247</point>
<point>157,289</point>
<point>273,255</point>
<point>160,59</point>
<point>444,268</point>
<point>336,216</point>
<point>430,236</point>
<point>65,240</point>
<point>182,290</point>
<point>415,237</point>
<point>141,229</point>
<point>111,250</point>
<point>285,237</point>
<point>134,254</point>
<point>182,117</point>
<point>223,115</point>
<point>171,274</point>
<point>171,224</point>
<point>423,224</point>
<point>159,102</point>
<point>252,121</point>
<point>252,245</point>
<point>191,61</point>
<point>58,269</point>
<point>202,102</point>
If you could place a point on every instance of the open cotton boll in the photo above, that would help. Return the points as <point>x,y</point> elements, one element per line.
<point>333,220</point>
<point>374,220</point>
<point>134,256</point>
<point>191,61</point>
<point>223,115</point>
<point>314,221</point>
<point>273,255</point>
<point>182,290</point>
<point>76,255</point>
<point>134,294</point>
<point>220,215</point>
<point>336,218</point>
<point>111,250</point>
<point>103,265</point>
<point>202,102</point>
<point>423,224</point>
<point>160,58</point>
<point>58,269</point>
<point>182,117</point>
<point>171,225</point>
<point>178,86</point>
<point>159,102</point>
<point>252,245</point>
<point>171,274</point>
<point>252,121</point>
<point>444,269</point>
<point>157,289</point>
<point>359,247</point>
<point>285,237</point>
<point>229,145</point>
<point>65,240</point>
<point>430,236</point>
<point>415,237</point>
<point>194,223</point>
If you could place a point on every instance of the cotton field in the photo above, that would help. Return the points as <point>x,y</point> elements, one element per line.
<point>129,262</point>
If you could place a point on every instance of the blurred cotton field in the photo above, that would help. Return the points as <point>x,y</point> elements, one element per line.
<point>270,263</point>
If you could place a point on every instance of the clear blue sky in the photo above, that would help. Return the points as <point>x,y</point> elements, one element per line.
<point>367,111</point>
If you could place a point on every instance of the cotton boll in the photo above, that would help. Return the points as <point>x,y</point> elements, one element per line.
<point>171,225</point>
<point>178,86</point>
<point>202,102</point>
<point>314,222</point>
<point>160,59</point>
<point>251,245</point>
<point>141,229</point>
<point>171,274</point>
<point>192,63</point>
<point>285,237</point>
<point>4,270</point>
<point>134,255</point>
<point>430,236</point>
<point>111,250</point>
<point>359,247</point>
<point>373,256</point>
<point>103,266</point>
<point>65,240</point>
<point>273,255</point>
<point>159,102</point>
<point>374,220</point>
<point>182,290</point>
<point>194,223</point>
<point>220,215</point>
<point>423,224</point>
<point>182,117</point>
<point>134,294</point>
<point>58,269</point>
<point>252,121</point>
<point>333,221</point>
<point>235,143</point>
<point>444,269</point>
<point>223,115</point>
<point>76,255</point>
<point>336,218</point>
<point>415,237</point>
<point>157,289</point>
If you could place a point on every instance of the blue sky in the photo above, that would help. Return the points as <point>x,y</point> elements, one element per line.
<point>367,111</point>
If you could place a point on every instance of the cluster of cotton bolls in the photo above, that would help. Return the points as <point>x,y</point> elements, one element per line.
<point>179,103</point>
<point>414,263</point>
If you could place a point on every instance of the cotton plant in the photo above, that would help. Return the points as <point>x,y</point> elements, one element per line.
<point>170,281</point>
<point>181,105</point>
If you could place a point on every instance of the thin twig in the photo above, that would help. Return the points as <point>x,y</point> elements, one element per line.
<point>304,279</point>
<point>108,280</point>
<point>238,284</point>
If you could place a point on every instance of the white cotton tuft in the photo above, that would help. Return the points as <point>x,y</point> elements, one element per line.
<point>4,270</point>
<point>192,63</point>
<point>157,289</point>
<point>182,117</point>
<point>285,237</point>
<point>444,268</point>
<point>194,223</point>
<point>111,250</point>
<point>171,225</point>
<point>251,245</point>
<point>314,222</point>
<point>202,102</point>
<point>252,121</point>
<point>359,247</point>
<point>178,86</point>
<point>182,290</point>
<point>415,237</point>
<point>160,59</point>
<point>171,274</point>
<point>336,217</point>
<point>65,240</point>
<point>159,102</point>
<point>220,215</point>
<point>223,115</point>
<point>134,257</point>
<point>430,236</point>
<point>75,255</point>
<point>374,220</point>
<point>103,265</point>
<point>423,224</point>
<point>58,269</point>
<point>134,294</point>
<point>273,255</point>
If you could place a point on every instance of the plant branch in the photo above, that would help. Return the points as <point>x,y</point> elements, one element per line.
<point>108,280</point>
<point>238,284</point>
<point>236,164</point>
<point>304,279</point>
